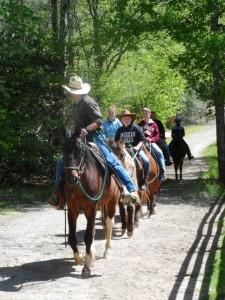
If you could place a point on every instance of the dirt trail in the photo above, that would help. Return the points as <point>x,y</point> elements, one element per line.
<point>155,263</point>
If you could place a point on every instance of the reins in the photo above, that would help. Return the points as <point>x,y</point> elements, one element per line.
<point>80,170</point>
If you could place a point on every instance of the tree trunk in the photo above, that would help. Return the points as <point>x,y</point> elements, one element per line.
<point>54,17</point>
<point>219,104</point>
<point>220,129</point>
<point>93,10</point>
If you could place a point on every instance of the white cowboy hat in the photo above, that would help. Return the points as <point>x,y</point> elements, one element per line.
<point>77,87</point>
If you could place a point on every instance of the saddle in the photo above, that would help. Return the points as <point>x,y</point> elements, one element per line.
<point>98,155</point>
<point>102,163</point>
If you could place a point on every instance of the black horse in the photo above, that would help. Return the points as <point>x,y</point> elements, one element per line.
<point>177,151</point>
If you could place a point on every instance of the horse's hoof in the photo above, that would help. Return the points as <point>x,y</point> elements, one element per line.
<point>107,254</point>
<point>85,273</point>
<point>130,234</point>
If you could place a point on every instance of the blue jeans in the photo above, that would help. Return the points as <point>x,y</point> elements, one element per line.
<point>145,161</point>
<point>159,154</point>
<point>99,139</point>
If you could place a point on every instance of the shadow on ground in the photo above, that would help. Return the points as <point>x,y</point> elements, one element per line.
<point>199,248</point>
<point>12,279</point>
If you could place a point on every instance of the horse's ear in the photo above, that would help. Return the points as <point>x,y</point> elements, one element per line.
<point>122,143</point>
<point>110,141</point>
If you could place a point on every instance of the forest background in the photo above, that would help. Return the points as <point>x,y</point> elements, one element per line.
<point>167,55</point>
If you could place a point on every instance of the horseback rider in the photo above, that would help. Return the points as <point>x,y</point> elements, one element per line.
<point>88,122</point>
<point>178,133</point>
<point>151,133</point>
<point>133,136</point>
<point>111,124</point>
<point>162,140</point>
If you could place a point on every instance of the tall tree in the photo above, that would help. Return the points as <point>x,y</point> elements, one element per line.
<point>200,26</point>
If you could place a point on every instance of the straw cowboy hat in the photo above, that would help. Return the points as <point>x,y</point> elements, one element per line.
<point>127,113</point>
<point>77,87</point>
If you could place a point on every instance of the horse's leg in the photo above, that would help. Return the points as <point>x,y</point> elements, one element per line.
<point>130,219</point>
<point>175,168</point>
<point>123,217</point>
<point>72,239</point>
<point>181,169</point>
<point>88,238</point>
<point>153,204</point>
<point>109,226</point>
<point>137,215</point>
<point>151,201</point>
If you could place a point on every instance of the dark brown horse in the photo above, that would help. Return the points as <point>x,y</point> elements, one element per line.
<point>88,186</point>
<point>177,151</point>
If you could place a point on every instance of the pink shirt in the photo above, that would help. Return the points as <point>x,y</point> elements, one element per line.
<point>151,130</point>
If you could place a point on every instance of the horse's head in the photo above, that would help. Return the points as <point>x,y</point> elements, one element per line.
<point>118,149</point>
<point>74,155</point>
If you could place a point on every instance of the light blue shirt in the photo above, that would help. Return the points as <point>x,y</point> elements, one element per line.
<point>110,127</point>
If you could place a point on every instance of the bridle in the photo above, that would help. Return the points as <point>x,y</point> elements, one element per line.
<point>80,170</point>
<point>80,167</point>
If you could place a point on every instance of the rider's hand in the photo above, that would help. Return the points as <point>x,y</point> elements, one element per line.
<point>135,149</point>
<point>83,132</point>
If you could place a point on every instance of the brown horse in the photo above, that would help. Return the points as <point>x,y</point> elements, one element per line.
<point>148,196</point>
<point>88,186</point>
<point>177,151</point>
<point>129,211</point>
<point>153,184</point>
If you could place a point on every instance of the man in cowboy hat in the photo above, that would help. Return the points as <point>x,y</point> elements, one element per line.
<point>88,122</point>
<point>132,135</point>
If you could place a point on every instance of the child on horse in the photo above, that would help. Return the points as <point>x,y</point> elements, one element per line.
<point>133,136</point>
<point>111,124</point>
<point>151,133</point>
<point>161,142</point>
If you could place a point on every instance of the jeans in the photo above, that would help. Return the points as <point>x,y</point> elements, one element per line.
<point>145,161</point>
<point>112,161</point>
<point>159,154</point>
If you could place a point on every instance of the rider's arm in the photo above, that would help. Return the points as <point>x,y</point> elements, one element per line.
<point>138,146</point>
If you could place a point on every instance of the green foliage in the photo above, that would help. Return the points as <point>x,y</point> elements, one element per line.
<point>27,72</point>
<point>144,78</point>
<point>190,22</point>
